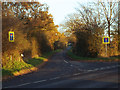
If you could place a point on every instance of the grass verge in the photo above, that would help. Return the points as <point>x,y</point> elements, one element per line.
<point>15,67</point>
<point>78,58</point>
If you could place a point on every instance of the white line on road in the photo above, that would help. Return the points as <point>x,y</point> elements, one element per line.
<point>102,68</point>
<point>39,81</point>
<point>96,69</point>
<point>17,85</point>
<point>54,78</point>
<point>25,84</point>
<point>77,74</point>
<point>89,70</point>
<point>59,77</point>
<point>65,61</point>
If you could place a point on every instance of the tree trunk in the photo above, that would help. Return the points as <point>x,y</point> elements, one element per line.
<point>108,46</point>
<point>109,28</point>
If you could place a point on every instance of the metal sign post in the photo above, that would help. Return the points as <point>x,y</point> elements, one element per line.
<point>106,40</point>
<point>106,50</point>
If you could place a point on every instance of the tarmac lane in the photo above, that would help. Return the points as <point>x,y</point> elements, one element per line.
<point>61,72</point>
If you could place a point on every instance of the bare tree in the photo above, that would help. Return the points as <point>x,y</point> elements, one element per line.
<point>110,13</point>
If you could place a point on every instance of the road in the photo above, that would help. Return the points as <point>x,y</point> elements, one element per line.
<point>61,72</point>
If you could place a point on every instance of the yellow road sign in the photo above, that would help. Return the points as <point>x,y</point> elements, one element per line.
<point>11,36</point>
<point>106,40</point>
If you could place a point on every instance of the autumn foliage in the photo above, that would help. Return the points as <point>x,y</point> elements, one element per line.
<point>35,31</point>
<point>89,24</point>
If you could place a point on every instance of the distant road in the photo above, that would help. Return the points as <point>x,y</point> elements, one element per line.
<point>60,72</point>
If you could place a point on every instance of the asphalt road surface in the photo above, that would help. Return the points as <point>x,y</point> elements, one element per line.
<point>61,72</point>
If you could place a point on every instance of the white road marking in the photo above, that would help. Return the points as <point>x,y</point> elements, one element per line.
<point>25,84</point>
<point>108,67</point>
<point>77,74</point>
<point>17,85</point>
<point>59,77</point>
<point>54,78</point>
<point>89,70</point>
<point>102,68</point>
<point>39,81</point>
<point>65,61</point>
<point>96,69</point>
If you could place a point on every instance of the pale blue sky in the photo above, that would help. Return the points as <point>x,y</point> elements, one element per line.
<point>61,8</point>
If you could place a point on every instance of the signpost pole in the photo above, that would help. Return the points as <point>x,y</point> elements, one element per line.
<point>11,57</point>
<point>106,50</point>
<point>106,40</point>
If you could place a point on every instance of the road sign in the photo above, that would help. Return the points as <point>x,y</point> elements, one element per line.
<point>106,40</point>
<point>11,36</point>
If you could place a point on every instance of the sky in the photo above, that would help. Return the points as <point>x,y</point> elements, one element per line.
<point>61,8</point>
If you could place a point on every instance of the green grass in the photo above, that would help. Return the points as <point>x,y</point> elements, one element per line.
<point>13,66</point>
<point>16,65</point>
<point>35,61</point>
<point>6,72</point>
<point>75,57</point>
